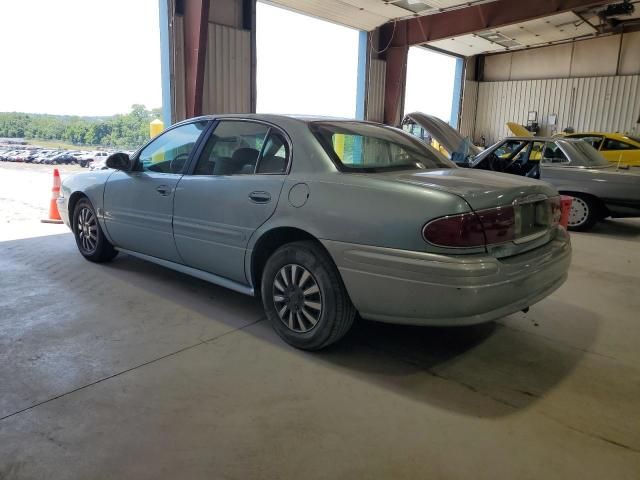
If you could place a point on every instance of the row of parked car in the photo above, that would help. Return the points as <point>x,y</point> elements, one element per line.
<point>92,159</point>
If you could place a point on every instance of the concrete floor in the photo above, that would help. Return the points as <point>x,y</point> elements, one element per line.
<point>129,370</point>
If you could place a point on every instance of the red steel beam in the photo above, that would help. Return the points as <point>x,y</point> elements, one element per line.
<point>196,21</point>
<point>397,36</point>
<point>479,17</point>
<point>395,77</point>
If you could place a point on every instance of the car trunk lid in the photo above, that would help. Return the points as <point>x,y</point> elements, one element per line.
<point>484,191</point>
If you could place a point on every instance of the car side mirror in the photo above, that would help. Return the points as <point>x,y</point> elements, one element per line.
<point>119,161</point>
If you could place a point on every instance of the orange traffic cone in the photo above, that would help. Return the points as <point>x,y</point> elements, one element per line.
<point>54,215</point>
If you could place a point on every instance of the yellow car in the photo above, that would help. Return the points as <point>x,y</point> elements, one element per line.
<point>615,147</point>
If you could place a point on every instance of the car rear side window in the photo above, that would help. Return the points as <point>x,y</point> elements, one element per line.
<point>611,144</point>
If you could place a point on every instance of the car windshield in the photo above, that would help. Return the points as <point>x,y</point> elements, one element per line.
<point>582,154</point>
<point>364,147</point>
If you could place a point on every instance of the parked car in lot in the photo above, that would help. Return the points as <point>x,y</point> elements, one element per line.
<point>322,219</point>
<point>573,166</point>
<point>98,165</point>
<point>63,159</point>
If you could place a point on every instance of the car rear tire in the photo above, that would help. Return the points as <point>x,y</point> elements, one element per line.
<point>584,213</point>
<point>304,297</point>
<point>90,238</point>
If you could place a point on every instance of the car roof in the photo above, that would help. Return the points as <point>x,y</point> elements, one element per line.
<point>614,135</point>
<point>275,118</point>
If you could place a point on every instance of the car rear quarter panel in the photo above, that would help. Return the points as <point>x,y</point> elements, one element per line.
<point>349,208</point>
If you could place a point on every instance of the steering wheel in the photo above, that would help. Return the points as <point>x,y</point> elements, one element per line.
<point>177,164</point>
<point>510,164</point>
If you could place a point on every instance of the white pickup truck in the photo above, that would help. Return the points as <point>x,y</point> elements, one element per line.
<point>86,159</point>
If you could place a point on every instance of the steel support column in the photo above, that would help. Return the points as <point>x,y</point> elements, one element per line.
<point>457,93</point>
<point>165,61</point>
<point>363,68</point>
<point>196,18</point>
<point>396,50</point>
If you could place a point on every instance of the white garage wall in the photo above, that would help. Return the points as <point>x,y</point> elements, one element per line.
<point>468,113</point>
<point>587,104</point>
<point>375,90</point>
<point>227,74</point>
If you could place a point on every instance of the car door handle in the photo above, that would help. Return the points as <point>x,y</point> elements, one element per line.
<point>163,190</point>
<point>260,197</point>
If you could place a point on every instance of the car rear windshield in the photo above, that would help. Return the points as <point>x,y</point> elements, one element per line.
<point>582,154</point>
<point>364,147</point>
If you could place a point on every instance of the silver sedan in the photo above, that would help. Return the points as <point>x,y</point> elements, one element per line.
<point>324,219</point>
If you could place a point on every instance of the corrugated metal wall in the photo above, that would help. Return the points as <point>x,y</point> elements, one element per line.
<point>227,76</point>
<point>375,92</point>
<point>469,102</point>
<point>586,104</point>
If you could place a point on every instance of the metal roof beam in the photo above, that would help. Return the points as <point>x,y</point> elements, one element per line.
<point>499,13</point>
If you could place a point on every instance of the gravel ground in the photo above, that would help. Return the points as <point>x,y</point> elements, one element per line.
<point>25,190</point>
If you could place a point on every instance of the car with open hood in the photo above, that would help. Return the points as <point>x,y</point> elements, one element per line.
<point>599,188</point>
<point>322,219</point>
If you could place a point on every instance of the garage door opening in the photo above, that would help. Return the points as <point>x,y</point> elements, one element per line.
<point>433,84</point>
<point>304,65</point>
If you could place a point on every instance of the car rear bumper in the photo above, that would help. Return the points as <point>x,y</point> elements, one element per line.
<point>414,288</point>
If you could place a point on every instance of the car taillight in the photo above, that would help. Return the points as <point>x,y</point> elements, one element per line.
<point>467,230</point>
<point>499,224</point>
<point>556,210</point>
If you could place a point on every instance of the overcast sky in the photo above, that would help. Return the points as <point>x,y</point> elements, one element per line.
<point>305,65</point>
<point>430,77</point>
<point>98,57</point>
<point>82,57</point>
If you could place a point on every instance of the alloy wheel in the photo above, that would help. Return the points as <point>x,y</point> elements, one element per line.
<point>579,212</point>
<point>87,230</point>
<point>297,298</point>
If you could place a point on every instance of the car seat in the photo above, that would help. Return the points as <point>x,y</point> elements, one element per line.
<point>272,164</point>
<point>243,160</point>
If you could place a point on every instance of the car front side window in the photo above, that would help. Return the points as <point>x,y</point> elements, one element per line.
<point>553,154</point>
<point>170,151</point>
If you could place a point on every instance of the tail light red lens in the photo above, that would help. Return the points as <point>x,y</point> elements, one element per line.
<point>556,210</point>
<point>522,222</point>
<point>467,230</point>
<point>458,231</point>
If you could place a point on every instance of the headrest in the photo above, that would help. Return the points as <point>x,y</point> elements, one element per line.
<point>243,156</point>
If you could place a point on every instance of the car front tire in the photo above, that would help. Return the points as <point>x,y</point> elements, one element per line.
<point>90,238</point>
<point>304,297</point>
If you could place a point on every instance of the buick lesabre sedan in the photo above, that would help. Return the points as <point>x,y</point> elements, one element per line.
<point>324,219</point>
